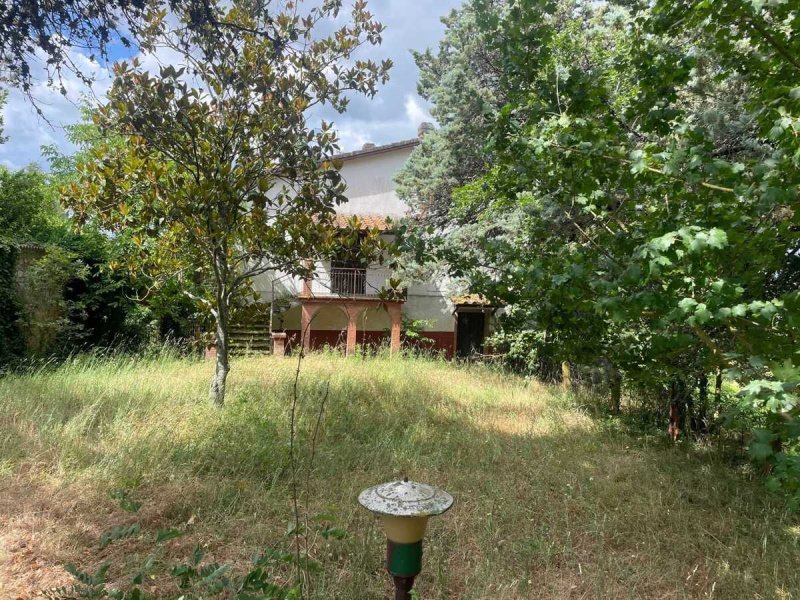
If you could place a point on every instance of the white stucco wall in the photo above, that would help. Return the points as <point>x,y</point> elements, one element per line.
<point>285,286</point>
<point>436,309</point>
<point>370,183</point>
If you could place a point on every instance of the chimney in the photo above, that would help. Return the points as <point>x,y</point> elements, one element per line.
<point>368,146</point>
<point>423,129</point>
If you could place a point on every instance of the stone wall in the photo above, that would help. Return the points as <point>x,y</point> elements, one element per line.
<point>39,292</point>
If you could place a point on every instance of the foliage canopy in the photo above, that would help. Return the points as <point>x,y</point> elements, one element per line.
<point>641,207</point>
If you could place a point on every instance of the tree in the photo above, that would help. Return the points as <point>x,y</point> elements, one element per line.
<point>479,238</point>
<point>642,207</point>
<point>69,298</point>
<point>221,177</point>
<point>3,99</point>
<point>673,178</point>
<point>118,307</point>
<point>461,82</point>
<point>32,30</point>
<point>29,211</point>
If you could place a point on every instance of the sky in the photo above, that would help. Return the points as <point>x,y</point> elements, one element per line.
<point>392,115</point>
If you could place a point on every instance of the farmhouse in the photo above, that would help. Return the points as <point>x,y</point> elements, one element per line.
<point>342,305</point>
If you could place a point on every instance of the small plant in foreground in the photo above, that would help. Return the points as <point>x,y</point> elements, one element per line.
<point>196,579</point>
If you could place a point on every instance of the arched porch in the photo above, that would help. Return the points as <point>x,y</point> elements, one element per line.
<point>354,311</point>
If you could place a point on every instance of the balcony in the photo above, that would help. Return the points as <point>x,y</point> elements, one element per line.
<point>340,282</point>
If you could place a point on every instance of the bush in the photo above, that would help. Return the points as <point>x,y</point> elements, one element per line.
<point>12,344</point>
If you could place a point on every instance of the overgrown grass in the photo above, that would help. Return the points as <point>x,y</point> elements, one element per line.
<point>551,503</point>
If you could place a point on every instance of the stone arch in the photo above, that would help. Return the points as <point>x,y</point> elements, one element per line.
<point>374,325</point>
<point>328,326</point>
<point>329,317</point>
<point>374,318</point>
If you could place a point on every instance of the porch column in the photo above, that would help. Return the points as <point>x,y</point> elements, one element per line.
<point>306,293</point>
<point>394,315</point>
<point>352,315</point>
<point>306,314</point>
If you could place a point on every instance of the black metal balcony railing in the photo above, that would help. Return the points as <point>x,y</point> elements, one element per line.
<point>348,282</point>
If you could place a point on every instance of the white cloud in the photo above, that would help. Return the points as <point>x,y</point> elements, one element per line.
<point>414,112</point>
<point>394,114</point>
<point>28,131</point>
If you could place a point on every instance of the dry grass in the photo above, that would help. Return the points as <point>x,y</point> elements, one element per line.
<point>551,503</point>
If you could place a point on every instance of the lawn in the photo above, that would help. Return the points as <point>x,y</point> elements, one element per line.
<point>551,501</point>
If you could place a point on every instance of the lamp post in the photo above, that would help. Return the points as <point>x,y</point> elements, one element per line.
<point>404,507</point>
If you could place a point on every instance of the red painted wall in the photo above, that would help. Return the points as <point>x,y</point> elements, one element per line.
<point>319,338</point>
<point>440,341</point>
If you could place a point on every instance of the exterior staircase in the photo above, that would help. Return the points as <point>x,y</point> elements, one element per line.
<point>249,331</point>
<point>250,338</point>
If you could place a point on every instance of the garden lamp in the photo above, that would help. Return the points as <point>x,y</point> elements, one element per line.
<point>404,507</point>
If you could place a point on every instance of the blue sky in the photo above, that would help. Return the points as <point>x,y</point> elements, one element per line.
<point>392,115</point>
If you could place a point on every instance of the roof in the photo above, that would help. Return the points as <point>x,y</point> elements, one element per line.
<point>379,222</point>
<point>377,149</point>
<point>471,300</point>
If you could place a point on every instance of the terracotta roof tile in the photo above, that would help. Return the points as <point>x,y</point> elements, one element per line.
<point>471,300</point>
<point>378,222</point>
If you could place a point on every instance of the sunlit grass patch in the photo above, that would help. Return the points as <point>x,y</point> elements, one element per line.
<point>550,501</point>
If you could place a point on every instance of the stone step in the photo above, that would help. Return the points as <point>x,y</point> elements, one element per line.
<point>242,346</point>
<point>251,341</point>
<point>241,351</point>
<point>250,333</point>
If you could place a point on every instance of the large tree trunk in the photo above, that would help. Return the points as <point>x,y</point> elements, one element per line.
<point>222,318</point>
<point>566,376</point>
<point>217,390</point>
<point>616,390</point>
<point>702,402</point>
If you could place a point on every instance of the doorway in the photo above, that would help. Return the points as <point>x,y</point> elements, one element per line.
<point>470,330</point>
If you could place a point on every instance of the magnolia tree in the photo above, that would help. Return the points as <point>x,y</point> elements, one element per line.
<point>221,177</point>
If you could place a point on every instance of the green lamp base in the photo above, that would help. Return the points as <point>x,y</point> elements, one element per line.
<point>404,560</point>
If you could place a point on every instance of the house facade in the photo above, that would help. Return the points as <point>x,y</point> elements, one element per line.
<point>341,305</point>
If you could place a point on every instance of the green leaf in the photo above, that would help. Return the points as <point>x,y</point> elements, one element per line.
<point>216,573</point>
<point>335,533</point>
<point>702,313</point>
<point>760,451</point>
<point>717,238</point>
<point>164,535</point>
<point>119,532</point>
